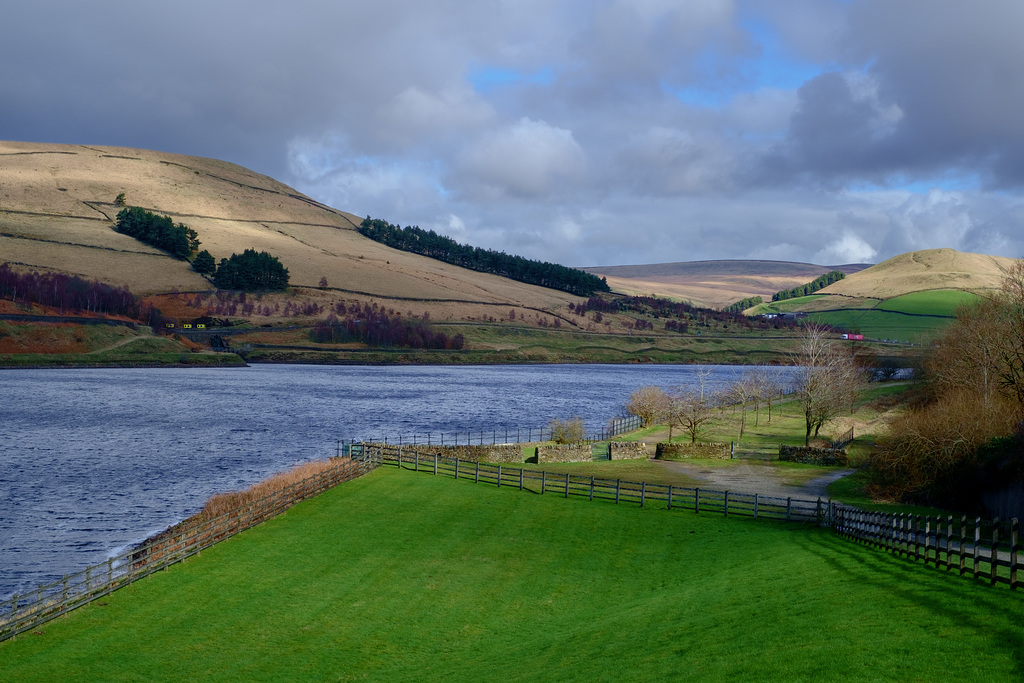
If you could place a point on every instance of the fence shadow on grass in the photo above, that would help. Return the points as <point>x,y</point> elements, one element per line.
<point>1001,625</point>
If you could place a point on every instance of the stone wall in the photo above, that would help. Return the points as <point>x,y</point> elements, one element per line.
<point>629,450</point>
<point>813,456</point>
<point>673,451</point>
<point>499,453</point>
<point>570,452</point>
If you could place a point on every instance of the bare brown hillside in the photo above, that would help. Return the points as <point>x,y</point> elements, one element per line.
<point>57,209</point>
<point>923,270</point>
<point>715,283</point>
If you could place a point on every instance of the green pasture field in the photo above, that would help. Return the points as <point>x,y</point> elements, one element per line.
<point>406,576</point>
<point>933,302</point>
<point>783,306</point>
<point>878,324</point>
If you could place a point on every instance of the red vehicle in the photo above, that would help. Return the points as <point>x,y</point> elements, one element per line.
<point>857,337</point>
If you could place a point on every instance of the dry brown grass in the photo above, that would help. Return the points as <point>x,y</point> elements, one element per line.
<point>925,270</point>
<point>710,283</point>
<point>56,210</point>
<point>222,503</point>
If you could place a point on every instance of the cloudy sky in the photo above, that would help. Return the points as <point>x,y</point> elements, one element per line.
<point>587,132</point>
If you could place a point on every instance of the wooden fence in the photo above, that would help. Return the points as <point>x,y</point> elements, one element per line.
<point>24,612</point>
<point>671,497</point>
<point>619,425</point>
<point>986,549</point>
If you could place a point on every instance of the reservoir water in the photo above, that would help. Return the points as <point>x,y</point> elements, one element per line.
<point>93,461</point>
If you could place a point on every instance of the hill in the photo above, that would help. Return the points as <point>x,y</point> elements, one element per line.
<point>908,297</point>
<point>715,283</point>
<point>57,209</point>
<point>919,271</point>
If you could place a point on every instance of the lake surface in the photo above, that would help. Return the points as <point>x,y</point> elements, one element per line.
<point>94,461</point>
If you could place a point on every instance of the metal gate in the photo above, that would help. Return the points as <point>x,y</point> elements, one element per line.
<point>601,451</point>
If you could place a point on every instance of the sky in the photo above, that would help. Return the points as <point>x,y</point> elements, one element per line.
<point>584,132</point>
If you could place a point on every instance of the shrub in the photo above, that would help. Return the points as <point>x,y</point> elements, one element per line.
<point>567,431</point>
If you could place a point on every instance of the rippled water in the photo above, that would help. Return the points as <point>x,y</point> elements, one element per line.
<point>92,461</point>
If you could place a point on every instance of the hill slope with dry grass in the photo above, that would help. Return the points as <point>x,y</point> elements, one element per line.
<point>57,210</point>
<point>919,271</point>
<point>715,283</point>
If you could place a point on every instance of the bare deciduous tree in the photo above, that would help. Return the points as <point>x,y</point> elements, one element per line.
<point>648,403</point>
<point>567,431</point>
<point>826,380</point>
<point>692,410</point>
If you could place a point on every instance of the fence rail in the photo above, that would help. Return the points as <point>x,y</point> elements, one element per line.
<point>987,549</point>
<point>619,425</point>
<point>24,612</point>
<point>596,488</point>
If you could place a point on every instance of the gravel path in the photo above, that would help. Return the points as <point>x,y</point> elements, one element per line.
<point>754,477</point>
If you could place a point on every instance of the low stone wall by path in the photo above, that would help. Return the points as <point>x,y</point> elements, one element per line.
<point>569,452</point>
<point>500,453</point>
<point>813,456</point>
<point>672,451</point>
<point>629,450</point>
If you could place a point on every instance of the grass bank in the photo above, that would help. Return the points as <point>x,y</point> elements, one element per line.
<point>403,576</point>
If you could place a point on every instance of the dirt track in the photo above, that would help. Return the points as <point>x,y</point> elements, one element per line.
<point>755,477</point>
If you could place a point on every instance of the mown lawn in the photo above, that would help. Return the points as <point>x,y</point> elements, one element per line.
<point>406,576</point>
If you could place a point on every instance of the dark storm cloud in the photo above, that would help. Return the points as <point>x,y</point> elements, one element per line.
<point>929,87</point>
<point>578,131</point>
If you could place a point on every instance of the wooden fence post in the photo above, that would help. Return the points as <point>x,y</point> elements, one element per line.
<point>643,492</point>
<point>669,496</point>
<point>591,488</point>
<point>457,461</point>
<point>566,484</point>
<point>499,476</point>
<point>435,464</point>
<point>543,481</point>
<point>618,485</point>
<point>520,478</point>
<point>725,505</point>
<point>696,500</point>
<point>1013,553</point>
<point>963,544</point>
<point>476,475</point>
<point>789,509</point>
<point>755,506</point>
<point>977,547</point>
<point>994,557</point>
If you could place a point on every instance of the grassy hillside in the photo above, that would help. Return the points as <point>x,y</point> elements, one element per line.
<point>908,317</point>
<point>406,576</point>
<point>57,206</point>
<point>714,283</point>
<point>919,271</point>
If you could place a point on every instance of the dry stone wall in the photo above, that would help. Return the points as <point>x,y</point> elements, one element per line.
<point>813,456</point>
<point>569,452</point>
<point>672,451</point>
<point>499,453</point>
<point>628,450</point>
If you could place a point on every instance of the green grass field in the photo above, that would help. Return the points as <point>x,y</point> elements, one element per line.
<point>406,576</point>
<point>876,324</point>
<point>933,302</point>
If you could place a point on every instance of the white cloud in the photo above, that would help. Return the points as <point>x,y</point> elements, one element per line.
<point>528,159</point>
<point>849,248</point>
